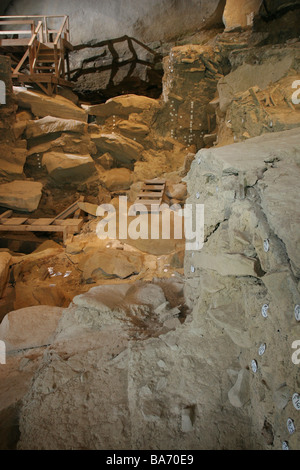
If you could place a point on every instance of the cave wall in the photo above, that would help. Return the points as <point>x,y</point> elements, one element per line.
<point>148,21</point>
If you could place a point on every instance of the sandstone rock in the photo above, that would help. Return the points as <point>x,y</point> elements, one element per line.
<point>239,394</point>
<point>256,112</point>
<point>29,327</point>
<point>176,191</point>
<point>133,130</point>
<point>21,195</point>
<point>261,74</point>
<point>106,160</point>
<point>232,319</point>
<point>68,143</point>
<point>124,150</point>
<point>110,264</point>
<point>145,294</point>
<point>118,179</point>
<point>209,139</point>
<point>12,160</point>
<point>50,125</point>
<point>191,72</point>
<point>5,259</point>
<point>103,298</point>
<point>42,105</point>
<point>24,116</point>
<point>19,128</point>
<point>123,106</point>
<point>68,168</point>
<point>242,16</point>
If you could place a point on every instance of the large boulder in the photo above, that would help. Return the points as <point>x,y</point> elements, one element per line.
<point>123,106</point>
<point>110,264</point>
<point>30,327</point>
<point>124,150</point>
<point>118,179</point>
<point>68,143</point>
<point>51,125</point>
<point>243,15</point>
<point>19,195</point>
<point>42,105</point>
<point>12,160</point>
<point>68,168</point>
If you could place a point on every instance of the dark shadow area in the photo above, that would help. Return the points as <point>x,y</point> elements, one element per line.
<point>114,67</point>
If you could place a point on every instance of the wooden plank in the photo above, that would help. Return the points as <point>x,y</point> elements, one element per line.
<point>14,42</point>
<point>70,210</point>
<point>152,187</point>
<point>42,221</point>
<point>15,221</point>
<point>21,31</point>
<point>31,228</point>
<point>16,70</point>
<point>155,181</point>
<point>147,202</point>
<point>148,194</point>
<point>72,227</point>
<point>6,214</point>
<point>11,22</point>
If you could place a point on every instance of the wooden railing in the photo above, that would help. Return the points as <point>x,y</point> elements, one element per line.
<point>28,38</point>
<point>34,46</point>
<point>48,31</point>
<point>59,56</point>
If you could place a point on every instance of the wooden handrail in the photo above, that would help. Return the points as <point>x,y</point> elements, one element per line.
<point>60,31</point>
<point>33,16</point>
<point>34,36</point>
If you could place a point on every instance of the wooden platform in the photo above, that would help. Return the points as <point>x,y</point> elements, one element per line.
<point>151,195</point>
<point>39,54</point>
<point>60,223</point>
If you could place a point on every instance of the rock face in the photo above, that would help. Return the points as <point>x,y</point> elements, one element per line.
<point>261,73</point>
<point>244,283</point>
<point>230,358</point>
<point>257,96</point>
<point>21,195</point>
<point>158,20</point>
<point>189,84</point>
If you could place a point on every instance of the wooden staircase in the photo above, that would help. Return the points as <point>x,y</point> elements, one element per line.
<point>151,195</point>
<point>38,54</point>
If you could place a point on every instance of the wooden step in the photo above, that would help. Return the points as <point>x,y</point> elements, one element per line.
<point>43,61</point>
<point>149,195</point>
<point>38,67</point>
<point>155,181</point>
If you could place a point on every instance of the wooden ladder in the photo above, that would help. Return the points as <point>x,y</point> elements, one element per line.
<point>151,195</point>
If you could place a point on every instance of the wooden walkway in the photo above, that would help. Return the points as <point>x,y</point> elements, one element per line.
<point>38,47</point>
<point>61,223</point>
